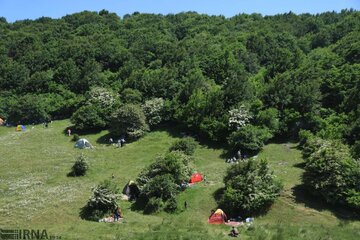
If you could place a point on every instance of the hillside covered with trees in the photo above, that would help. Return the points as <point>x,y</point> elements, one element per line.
<point>241,81</point>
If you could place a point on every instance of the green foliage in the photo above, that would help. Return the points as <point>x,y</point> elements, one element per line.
<point>269,118</point>
<point>102,201</point>
<point>333,174</point>
<point>249,138</point>
<point>355,150</point>
<point>154,111</point>
<point>88,117</point>
<point>160,186</point>
<point>129,95</point>
<point>186,145</point>
<point>80,166</point>
<point>160,181</point>
<point>250,188</point>
<point>153,205</point>
<point>204,67</point>
<point>26,109</point>
<point>171,206</point>
<point>129,120</point>
<point>174,163</point>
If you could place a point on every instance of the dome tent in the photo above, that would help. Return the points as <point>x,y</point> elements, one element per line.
<point>131,190</point>
<point>20,128</point>
<point>217,217</point>
<point>196,177</point>
<point>83,143</point>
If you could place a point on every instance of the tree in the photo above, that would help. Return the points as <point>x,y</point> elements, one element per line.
<point>250,188</point>
<point>239,117</point>
<point>331,172</point>
<point>129,120</point>
<point>88,117</point>
<point>129,95</point>
<point>27,109</point>
<point>159,182</point>
<point>80,166</point>
<point>249,138</point>
<point>154,111</point>
<point>102,201</point>
<point>186,145</point>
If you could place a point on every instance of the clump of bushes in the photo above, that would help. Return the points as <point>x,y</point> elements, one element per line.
<point>250,188</point>
<point>249,138</point>
<point>331,172</point>
<point>159,183</point>
<point>186,145</point>
<point>80,166</point>
<point>129,120</point>
<point>102,201</point>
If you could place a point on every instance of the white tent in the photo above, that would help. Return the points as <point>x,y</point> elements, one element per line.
<point>83,143</point>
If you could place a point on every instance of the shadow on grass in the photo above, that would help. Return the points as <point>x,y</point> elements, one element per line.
<point>178,131</point>
<point>300,165</point>
<point>139,204</point>
<point>302,195</point>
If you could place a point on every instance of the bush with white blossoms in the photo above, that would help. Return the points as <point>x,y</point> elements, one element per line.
<point>153,110</point>
<point>239,117</point>
<point>101,97</point>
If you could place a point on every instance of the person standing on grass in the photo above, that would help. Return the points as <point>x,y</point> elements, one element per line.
<point>69,132</point>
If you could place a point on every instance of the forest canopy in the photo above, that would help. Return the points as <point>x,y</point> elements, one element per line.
<point>215,75</point>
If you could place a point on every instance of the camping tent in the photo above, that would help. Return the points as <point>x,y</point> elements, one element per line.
<point>131,190</point>
<point>1,121</point>
<point>83,143</point>
<point>196,177</point>
<point>20,128</point>
<point>217,217</point>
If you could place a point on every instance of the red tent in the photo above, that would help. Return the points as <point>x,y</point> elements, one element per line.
<point>196,177</point>
<point>218,217</point>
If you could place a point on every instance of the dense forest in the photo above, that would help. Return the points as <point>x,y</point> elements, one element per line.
<point>242,81</point>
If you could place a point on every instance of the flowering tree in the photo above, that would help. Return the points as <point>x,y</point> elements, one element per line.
<point>239,117</point>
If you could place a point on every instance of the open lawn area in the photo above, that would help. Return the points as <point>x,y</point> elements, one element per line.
<point>35,192</point>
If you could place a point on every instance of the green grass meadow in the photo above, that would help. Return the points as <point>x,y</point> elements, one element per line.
<point>35,192</point>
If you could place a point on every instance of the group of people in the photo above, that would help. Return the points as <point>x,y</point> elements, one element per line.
<point>236,158</point>
<point>120,142</point>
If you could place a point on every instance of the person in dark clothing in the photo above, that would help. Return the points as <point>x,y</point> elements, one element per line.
<point>117,214</point>
<point>234,232</point>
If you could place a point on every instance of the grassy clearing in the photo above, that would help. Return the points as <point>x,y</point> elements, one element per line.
<point>35,192</point>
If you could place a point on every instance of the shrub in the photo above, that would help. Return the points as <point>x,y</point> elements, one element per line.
<point>171,205</point>
<point>80,166</point>
<point>102,201</point>
<point>153,205</point>
<point>130,95</point>
<point>160,181</point>
<point>160,186</point>
<point>249,138</point>
<point>88,117</point>
<point>186,145</point>
<point>174,163</point>
<point>250,188</point>
<point>154,110</point>
<point>331,172</point>
<point>269,118</point>
<point>129,120</point>
<point>239,117</point>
